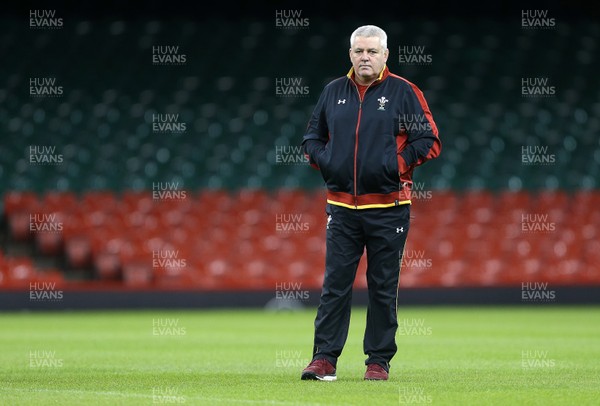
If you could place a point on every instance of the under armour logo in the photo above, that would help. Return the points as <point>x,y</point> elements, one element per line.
<point>399,230</point>
<point>340,101</point>
<point>328,221</point>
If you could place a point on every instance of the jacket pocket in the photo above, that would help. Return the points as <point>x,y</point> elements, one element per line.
<point>322,160</point>
<point>391,165</point>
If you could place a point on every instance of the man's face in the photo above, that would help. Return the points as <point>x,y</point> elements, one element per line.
<point>368,58</point>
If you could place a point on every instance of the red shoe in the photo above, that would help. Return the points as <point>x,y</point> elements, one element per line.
<point>319,370</point>
<point>376,372</point>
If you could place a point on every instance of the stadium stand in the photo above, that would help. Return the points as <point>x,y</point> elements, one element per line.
<point>478,239</point>
<point>483,216</point>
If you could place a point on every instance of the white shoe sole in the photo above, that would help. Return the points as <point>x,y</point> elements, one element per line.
<point>311,377</point>
<point>328,378</point>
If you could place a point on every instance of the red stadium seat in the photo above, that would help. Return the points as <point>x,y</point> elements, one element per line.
<point>15,201</point>
<point>247,240</point>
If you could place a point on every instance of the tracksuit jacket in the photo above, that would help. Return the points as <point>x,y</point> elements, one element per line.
<point>366,149</point>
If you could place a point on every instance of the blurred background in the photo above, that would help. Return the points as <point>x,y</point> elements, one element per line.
<point>150,152</point>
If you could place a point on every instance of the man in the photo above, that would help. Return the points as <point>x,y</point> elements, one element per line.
<point>368,132</point>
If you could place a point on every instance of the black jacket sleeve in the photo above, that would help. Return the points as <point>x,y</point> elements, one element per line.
<point>423,142</point>
<point>317,132</point>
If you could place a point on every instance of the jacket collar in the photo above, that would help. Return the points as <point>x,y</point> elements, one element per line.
<point>382,75</point>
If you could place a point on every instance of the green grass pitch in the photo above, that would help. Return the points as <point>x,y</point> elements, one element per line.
<point>542,355</point>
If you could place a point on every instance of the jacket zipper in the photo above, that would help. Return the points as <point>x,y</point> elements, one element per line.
<point>360,102</point>
<point>356,153</point>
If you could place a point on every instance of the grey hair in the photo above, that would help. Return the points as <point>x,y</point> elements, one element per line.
<point>370,31</point>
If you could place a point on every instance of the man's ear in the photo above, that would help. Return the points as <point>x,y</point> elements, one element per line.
<point>386,54</point>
